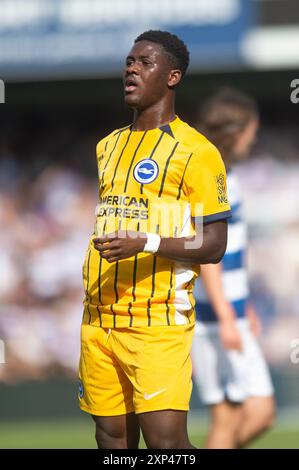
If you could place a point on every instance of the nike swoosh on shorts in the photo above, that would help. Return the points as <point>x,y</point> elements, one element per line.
<point>152,395</point>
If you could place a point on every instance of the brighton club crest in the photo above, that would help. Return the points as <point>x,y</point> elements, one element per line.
<point>146,171</point>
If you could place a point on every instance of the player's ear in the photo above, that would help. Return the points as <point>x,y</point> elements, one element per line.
<point>174,77</point>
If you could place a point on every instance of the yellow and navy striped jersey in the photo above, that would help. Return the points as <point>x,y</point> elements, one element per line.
<point>158,181</point>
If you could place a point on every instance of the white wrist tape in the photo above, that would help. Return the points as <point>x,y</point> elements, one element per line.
<point>153,243</point>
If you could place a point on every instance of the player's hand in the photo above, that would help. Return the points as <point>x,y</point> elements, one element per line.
<point>229,335</point>
<point>120,245</point>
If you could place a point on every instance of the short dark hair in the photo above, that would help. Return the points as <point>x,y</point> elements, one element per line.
<point>225,114</point>
<point>227,111</point>
<point>175,48</point>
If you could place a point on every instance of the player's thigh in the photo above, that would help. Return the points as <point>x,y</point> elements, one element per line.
<point>226,415</point>
<point>161,375</point>
<point>104,388</point>
<point>260,408</point>
<point>121,431</point>
<point>165,429</point>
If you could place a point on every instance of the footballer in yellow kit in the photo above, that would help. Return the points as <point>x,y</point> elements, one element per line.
<point>185,172</point>
<point>138,309</point>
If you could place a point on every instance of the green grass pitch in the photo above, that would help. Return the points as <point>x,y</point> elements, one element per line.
<point>78,433</point>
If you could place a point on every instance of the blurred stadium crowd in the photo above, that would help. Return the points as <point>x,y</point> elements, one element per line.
<point>46,217</point>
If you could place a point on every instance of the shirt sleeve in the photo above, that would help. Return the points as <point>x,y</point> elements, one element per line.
<point>103,147</point>
<point>205,183</point>
<point>100,153</point>
<point>100,149</point>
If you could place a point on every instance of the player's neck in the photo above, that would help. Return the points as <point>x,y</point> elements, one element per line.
<point>153,117</point>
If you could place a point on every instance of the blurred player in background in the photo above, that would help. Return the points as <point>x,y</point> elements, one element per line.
<point>228,365</point>
<point>138,323</point>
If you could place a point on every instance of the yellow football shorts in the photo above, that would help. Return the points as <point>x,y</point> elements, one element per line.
<point>137,370</point>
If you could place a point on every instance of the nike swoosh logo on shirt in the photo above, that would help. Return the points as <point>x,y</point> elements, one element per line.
<point>152,395</point>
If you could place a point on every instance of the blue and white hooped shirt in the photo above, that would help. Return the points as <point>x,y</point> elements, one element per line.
<point>235,282</point>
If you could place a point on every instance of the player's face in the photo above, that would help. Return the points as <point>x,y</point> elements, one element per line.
<point>147,75</point>
<point>246,139</point>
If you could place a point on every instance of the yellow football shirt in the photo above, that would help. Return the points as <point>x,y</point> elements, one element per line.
<point>158,181</point>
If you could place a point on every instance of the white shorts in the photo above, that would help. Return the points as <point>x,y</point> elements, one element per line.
<point>221,374</point>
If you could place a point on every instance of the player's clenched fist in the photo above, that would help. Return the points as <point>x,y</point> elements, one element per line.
<point>120,245</point>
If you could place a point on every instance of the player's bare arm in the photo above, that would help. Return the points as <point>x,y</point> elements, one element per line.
<point>207,246</point>
<point>211,276</point>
